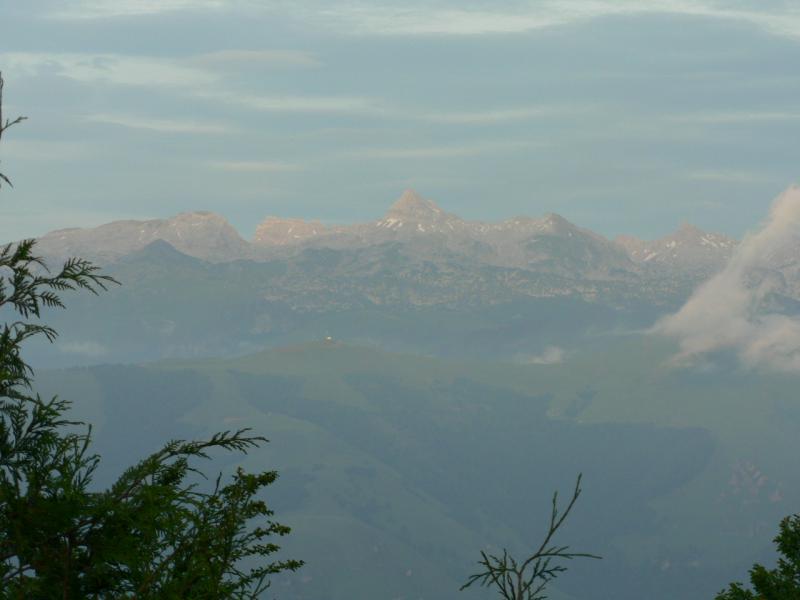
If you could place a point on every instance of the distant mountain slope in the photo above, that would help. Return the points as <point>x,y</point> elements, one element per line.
<point>172,305</point>
<point>274,231</point>
<point>396,470</point>
<point>202,234</point>
<point>688,250</point>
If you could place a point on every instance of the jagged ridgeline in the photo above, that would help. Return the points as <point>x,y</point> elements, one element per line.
<point>548,244</point>
<point>418,278</point>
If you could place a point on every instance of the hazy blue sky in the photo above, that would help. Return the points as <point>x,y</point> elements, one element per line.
<point>620,118</point>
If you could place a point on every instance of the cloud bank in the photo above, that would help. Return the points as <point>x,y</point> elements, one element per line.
<point>161,125</point>
<point>733,310</point>
<point>447,17</point>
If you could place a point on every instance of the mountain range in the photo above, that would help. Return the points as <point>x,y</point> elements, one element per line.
<point>419,279</point>
<point>425,232</point>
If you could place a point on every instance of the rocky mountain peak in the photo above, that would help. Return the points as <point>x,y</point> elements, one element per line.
<point>688,230</point>
<point>555,223</point>
<point>413,213</point>
<point>282,232</point>
<point>687,248</point>
<point>413,207</point>
<point>689,234</point>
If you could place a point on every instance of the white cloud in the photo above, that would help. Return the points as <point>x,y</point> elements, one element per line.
<point>117,69</point>
<point>734,116</point>
<point>367,20</point>
<point>104,9</point>
<point>261,58</point>
<point>447,18</point>
<point>455,150</point>
<point>491,116</point>
<point>429,19</point>
<point>299,104</point>
<point>731,311</point>
<point>108,68</point>
<point>254,166</point>
<point>728,176</point>
<point>162,125</point>
<point>199,72</point>
<point>367,106</point>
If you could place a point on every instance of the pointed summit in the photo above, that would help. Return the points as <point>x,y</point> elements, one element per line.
<point>556,223</point>
<point>412,212</point>
<point>413,207</point>
<point>687,229</point>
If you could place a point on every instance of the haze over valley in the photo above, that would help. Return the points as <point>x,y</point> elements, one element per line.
<point>398,272</point>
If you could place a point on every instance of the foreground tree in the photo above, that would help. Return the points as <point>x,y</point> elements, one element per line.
<point>527,579</point>
<point>156,533</point>
<point>5,125</point>
<point>780,583</point>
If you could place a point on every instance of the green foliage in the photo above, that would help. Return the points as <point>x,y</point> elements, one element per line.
<point>781,583</point>
<point>151,535</point>
<point>26,288</point>
<point>527,579</point>
<point>156,532</point>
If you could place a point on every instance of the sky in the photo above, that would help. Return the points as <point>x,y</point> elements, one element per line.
<point>622,116</point>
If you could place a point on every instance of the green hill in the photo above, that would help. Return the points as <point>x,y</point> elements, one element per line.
<point>397,469</point>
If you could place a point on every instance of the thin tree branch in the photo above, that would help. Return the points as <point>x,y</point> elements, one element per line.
<point>5,125</point>
<point>527,580</point>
